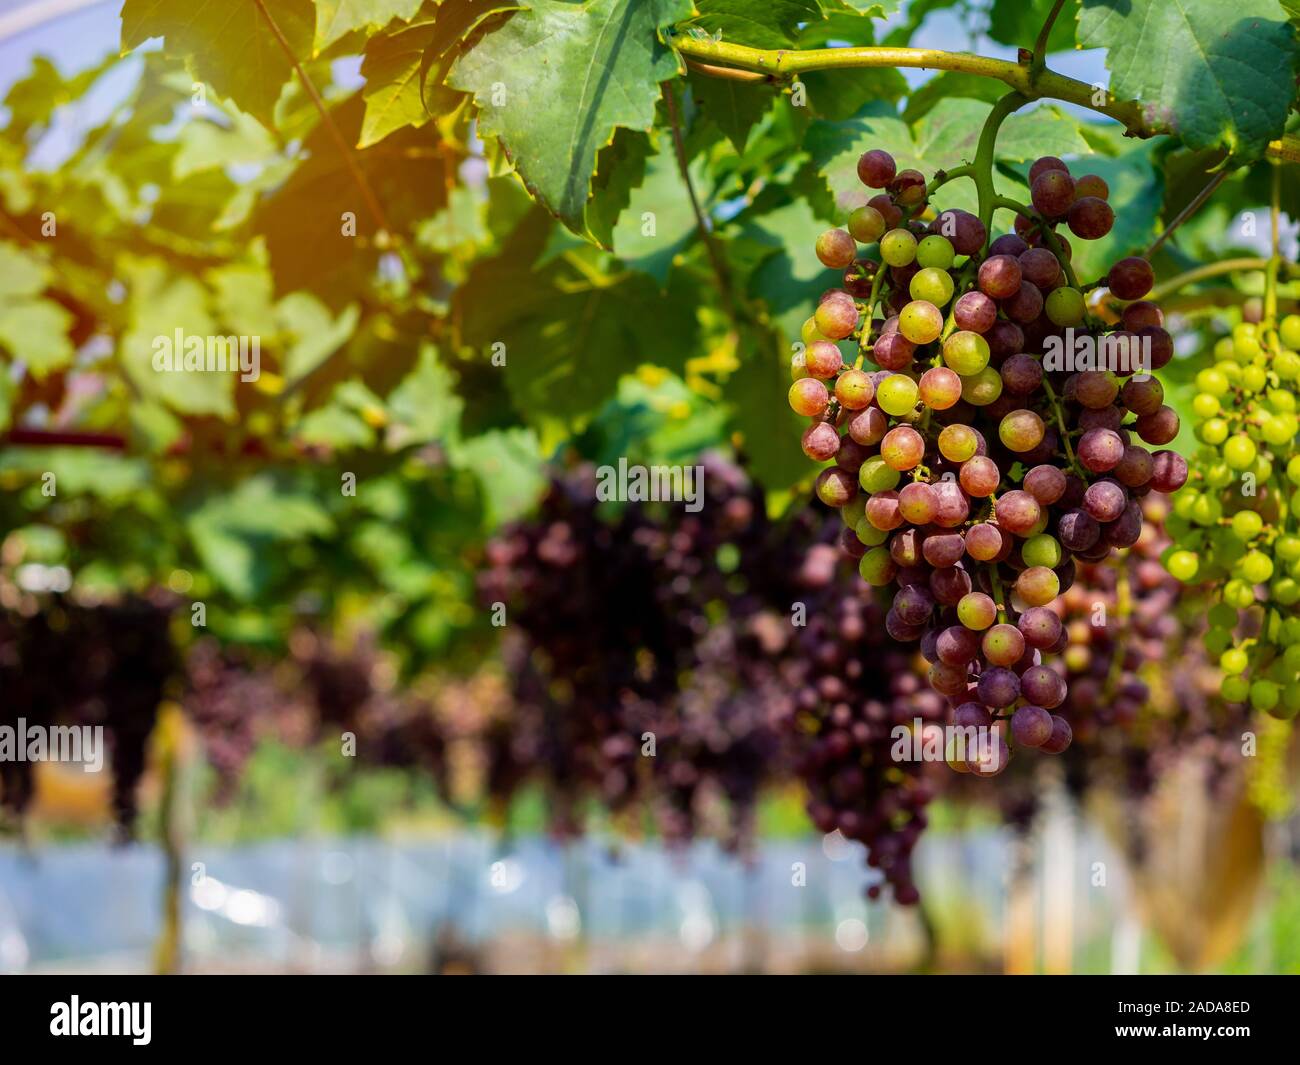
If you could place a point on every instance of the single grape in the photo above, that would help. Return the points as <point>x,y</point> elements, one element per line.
<point>1131,278</point>
<point>836,249</point>
<point>980,476</point>
<point>866,225</point>
<point>982,388</point>
<point>868,426</point>
<point>820,442</point>
<point>999,277</point>
<point>903,448</point>
<point>940,388</point>
<point>823,359</point>
<point>932,285</point>
<point>974,312</point>
<point>809,397</point>
<point>1003,645</point>
<point>1052,193</point>
<point>876,567</point>
<point>1025,304</point>
<point>1105,500</point>
<point>882,510</point>
<point>1091,185</point>
<point>854,390</point>
<point>921,322</point>
<point>1040,627</point>
<point>1100,450</point>
<point>935,252</point>
<point>897,394</point>
<point>1144,395</point>
<point>998,687</point>
<point>898,247</point>
<point>957,443</point>
<point>976,610</point>
<point>1022,374</point>
<point>943,549</point>
<point>1021,430</point>
<point>1065,306</point>
<point>1017,512</point>
<point>876,168</point>
<point>1043,686</point>
<point>908,188</point>
<point>1061,736</point>
<point>1091,218</point>
<point>1038,586</point>
<point>893,351</point>
<point>1159,427</point>
<point>1031,726</point>
<point>836,487</point>
<point>1045,483</point>
<point>952,507</point>
<point>1044,164</point>
<point>1039,267</point>
<point>876,475</point>
<point>837,317</point>
<point>983,542</point>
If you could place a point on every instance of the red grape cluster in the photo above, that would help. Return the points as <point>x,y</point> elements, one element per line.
<point>989,449</point>
<point>853,688</point>
<point>103,665</point>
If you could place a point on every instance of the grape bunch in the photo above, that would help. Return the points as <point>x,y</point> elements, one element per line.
<point>1237,527</point>
<point>106,665</point>
<point>982,457</point>
<point>852,689</point>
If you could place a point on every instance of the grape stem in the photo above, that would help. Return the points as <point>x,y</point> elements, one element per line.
<point>1060,424</point>
<point>1048,234</point>
<point>741,62</point>
<point>1039,60</point>
<point>864,338</point>
<point>983,166</point>
<point>1209,270</point>
<point>1192,207</point>
<point>998,598</point>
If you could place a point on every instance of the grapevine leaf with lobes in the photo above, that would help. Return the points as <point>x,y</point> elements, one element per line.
<point>555,82</point>
<point>1223,75</point>
<point>227,43</point>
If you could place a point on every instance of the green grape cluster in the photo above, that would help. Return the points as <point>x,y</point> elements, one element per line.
<point>1236,526</point>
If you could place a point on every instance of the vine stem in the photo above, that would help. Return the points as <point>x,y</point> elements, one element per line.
<point>1039,60</point>
<point>1192,207</point>
<point>982,167</point>
<point>1209,270</point>
<point>1271,271</point>
<point>706,235</point>
<point>345,149</point>
<point>1023,77</point>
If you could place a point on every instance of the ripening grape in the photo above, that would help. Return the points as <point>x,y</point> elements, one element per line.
<point>920,321</point>
<point>980,477</point>
<point>823,359</point>
<point>1052,193</point>
<point>836,249</point>
<point>1091,218</point>
<point>1065,306</point>
<point>1021,430</point>
<point>966,352</point>
<point>898,247</point>
<point>940,388</point>
<point>999,277</point>
<point>935,252</point>
<point>982,388</point>
<point>809,397</point>
<point>975,312</point>
<point>876,475</point>
<point>836,318</point>
<point>876,168</point>
<point>903,448</point>
<point>932,285</point>
<point>836,487</point>
<point>866,225</point>
<point>897,394</point>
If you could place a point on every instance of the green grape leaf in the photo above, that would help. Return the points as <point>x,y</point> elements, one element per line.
<point>759,411</point>
<point>1018,23</point>
<point>161,308</point>
<point>32,100</point>
<point>1219,75</point>
<point>840,94</point>
<point>554,83</point>
<point>335,19</point>
<point>20,274</point>
<point>236,535</point>
<point>565,344</point>
<point>306,221</point>
<point>318,334</point>
<point>205,145</point>
<point>508,465</point>
<point>229,45</point>
<point>734,106</point>
<point>336,427</point>
<point>951,83</point>
<point>425,403</point>
<point>660,221</point>
<point>36,333</point>
<point>757,23</point>
<point>620,168</point>
<point>391,67</point>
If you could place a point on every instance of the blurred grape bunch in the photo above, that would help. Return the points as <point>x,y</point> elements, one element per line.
<point>70,663</point>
